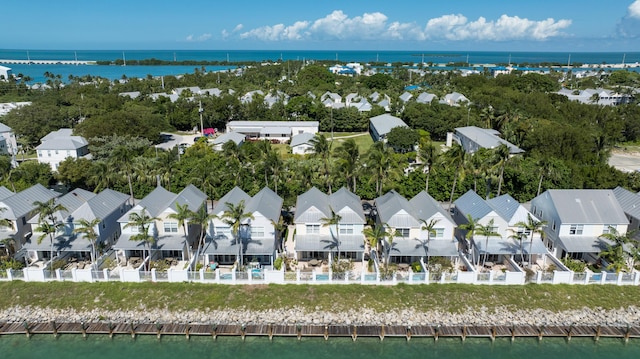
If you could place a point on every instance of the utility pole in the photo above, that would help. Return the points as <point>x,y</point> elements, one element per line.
<point>200,110</point>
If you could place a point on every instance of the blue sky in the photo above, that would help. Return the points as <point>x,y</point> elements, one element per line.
<point>500,25</point>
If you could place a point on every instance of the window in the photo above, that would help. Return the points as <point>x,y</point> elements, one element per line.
<point>402,232</point>
<point>49,153</point>
<point>345,228</point>
<point>134,229</point>
<point>553,225</point>
<point>257,232</point>
<point>576,229</point>
<point>5,228</point>
<point>313,228</point>
<point>39,153</point>
<point>223,230</point>
<point>438,233</point>
<point>522,230</point>
<point>56,152</point>
<point>170,227</point>
<point>609,228</point>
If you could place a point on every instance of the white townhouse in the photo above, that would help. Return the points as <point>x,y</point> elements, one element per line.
<point>505,212</point>
<point>576,218</point>
<point>236,138</point>
<point>301,144</point>
<point>630,203</point>
<point>316,238</point>
<point>107,206</point>
<point>60,145</point>
<point>407,219</point>
<point>9,138</point>
<point>258,239</point>
<point>280,131</point>
<point>18,208</point>
<point>454,99</point>
<point>170,240</point>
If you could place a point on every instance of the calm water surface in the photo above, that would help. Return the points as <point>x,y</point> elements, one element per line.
<point>177,347</point>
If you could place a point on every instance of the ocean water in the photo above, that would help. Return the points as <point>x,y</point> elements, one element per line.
<point>115,72</point>
<point>178,347</point>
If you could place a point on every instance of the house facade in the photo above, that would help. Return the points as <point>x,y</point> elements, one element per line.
<point>281,131</point>
<point>576,218</point>
<point>473,138</point>
<point>258,238</point>
<point>380,126</point>
<point>316,238</point>
<point>169,239</point>
<point>406,218</point>
<point>60,145</point>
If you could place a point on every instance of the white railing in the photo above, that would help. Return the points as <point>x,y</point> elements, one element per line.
<point>268,276</point>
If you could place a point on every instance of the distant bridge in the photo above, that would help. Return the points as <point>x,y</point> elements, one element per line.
<point>46,62</point>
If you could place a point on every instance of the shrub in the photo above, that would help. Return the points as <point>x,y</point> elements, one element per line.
<point>277,264</point>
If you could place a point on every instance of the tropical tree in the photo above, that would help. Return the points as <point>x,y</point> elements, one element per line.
<point>88,229</point>
<point>381,165</point>
<point>233,216</point>
<point>390,234</point>
<point>374,236</point>
<point>470,227</point>
<point>123,158</point>
<point>333,221</point>
<point>457,158</point>
<point>348,156</point>
<point>520,237</point>
<point>430,228</point>
<point>620,253</point>
<point>48,223</point>
<point>142,222</point>
<point>182,214</point>
<point>501,153</point>
<point>532,227</point>
<point>487,231</point>
<point>322,150</point>
<point>201,218</point>
<point>428,155</point>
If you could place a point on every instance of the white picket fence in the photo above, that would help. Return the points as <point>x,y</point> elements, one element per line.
<point>268,276</point>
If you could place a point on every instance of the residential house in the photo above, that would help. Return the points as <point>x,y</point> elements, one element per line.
<point>315,238</point>
<point>380,126</point>
<point>405,97</point>
<point>9,137</point>
<point>597,96</point>
<point>630,203</point>
<point>454,99</point>
<point>576,218</point>
<point>107,205</point>
<point>19,208</point>
<point>257,240</point>
<point>301,144</point>
<point>249,96</point>
<point>407,218</point>
<point>234,137</point>
<point>425,98</point>
<point>60,145</point>
<point>506,213</point>
<point>169,239</point>
<point>472,138</point>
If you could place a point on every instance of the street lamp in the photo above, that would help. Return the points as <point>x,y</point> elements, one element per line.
<point>200,110</point>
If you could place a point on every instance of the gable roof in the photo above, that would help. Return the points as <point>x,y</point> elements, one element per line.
<point>314,205</point>
<point>385,122</point>
<point>301,139</point>
<point>472,204</point>
<point>21,203</point>
<point>509,209</point>
<point>629,201</point>
<point>234,196</point>
<point>267,203</point>
<point>486,138</point>
<point>160,200</point>
<point>587,206</point>
<point>5,192</point>
<point>426,207</point>
<point>394,210</point>
<point>235,137</point>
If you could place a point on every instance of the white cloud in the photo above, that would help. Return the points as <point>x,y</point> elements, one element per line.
<point>375,26</point>
<point>238,28</point>
<point>203,37</point>
<point>634,9</point>
<point>457,27</point>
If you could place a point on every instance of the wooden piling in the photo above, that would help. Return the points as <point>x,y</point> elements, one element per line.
<point>408,333</point>
<point>540,329</point>
<point>597,337</point>
<point>214,331</point>
<point>354,334</point>
<point>569,332</point>
<point>54,328</point>
<point>83,330</point>
<point>464,332</point>
<point>243,330</point>
<point>270,332</point>
<point>382,332</point>
<point>158,330</point>
<point>627,334</point>
<point>110,330</point>
<point>299,330</point>
<point>326,332</point>
<point>436,332</point>
<point>26,329</point>
<point>493,333</point>
<point>132,330</point>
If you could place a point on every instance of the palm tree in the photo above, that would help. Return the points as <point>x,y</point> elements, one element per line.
<point>348,156</point>
<point>381,165</point>
<point>47,221</point>
<point>201,218</point>
<point>429,155</point>
<point>182,215</point>
<point>457,158</point>
<point>233,216</point>
<point>333,221</point>
<point>487,231</point>
<point>621,250</point>
<point>531,227</point>
<point>471,227</point>
<point>87,228</point>
<point>390,234</point>
<point>122,157</point>
<point>501,154</point>
<point>322,150</point>
<point>520,237</point>
<point>430,228</point>
<point>374,236</point>
<point>142,221</point>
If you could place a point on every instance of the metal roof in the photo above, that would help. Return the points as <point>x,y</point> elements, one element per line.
<point>75,243</point>
<point>426,207</point>
<point>582,206</point>
<point>385,122</point>
<point>276,130</point>
<point>21,203</point>
<point>472,204</point>
<point>191,196</point>
<point>267,203</point>
<point>5,192</point>
<point>326,243</point>
<point>629,201</point>
<point>154,203</point>
<point>164,242</point>
<point>582,244</point>
<point>237,138</point>
<point>301,139</point>
<point>394,210</point>
<point>234,197</point>
<point>234,124</point>
<point>418,248</point>
<point>101,205</point>
<point>314,205</point>
<point>222,245</point>
<point>509,209</point>
<point>486,138</point>
<point>508,246</point>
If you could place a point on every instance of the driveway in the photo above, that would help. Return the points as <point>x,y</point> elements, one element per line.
<point>626,161</point>
<point>173,139</point>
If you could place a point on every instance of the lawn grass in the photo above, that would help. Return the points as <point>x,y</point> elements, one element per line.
<point>363,139</point>
<point>333,298</point>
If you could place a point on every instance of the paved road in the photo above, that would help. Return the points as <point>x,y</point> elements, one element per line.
<point>173,140</point>
<point>625,161</point>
